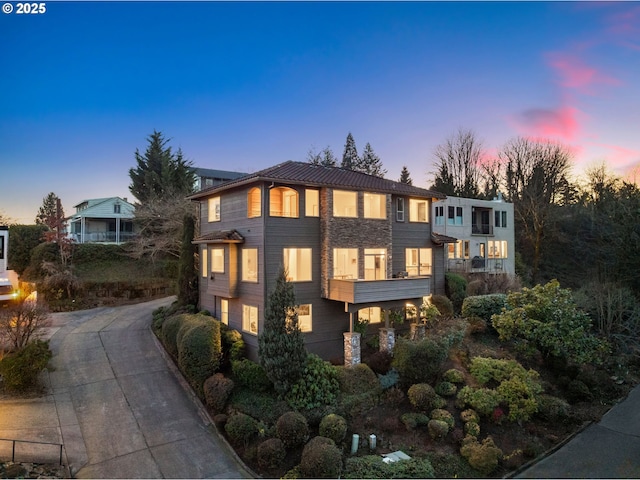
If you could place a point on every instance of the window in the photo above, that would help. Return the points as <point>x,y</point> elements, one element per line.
<point>375,264</point>
<point>203,263</point>
<point>418,210</point>
<point>345,204</point>
<point>283,202</point>
<point>224,311</point>
<point>304,317</point>
<point>501,218</point>
<point>460,249</point>
<point>116,208</point>
<point>440,215</point>
<point>497,249</point>
<point>454,216</point>
<point>311,203</point>
<point>254,203</point>
<point>345,263</point>
<point>217,260</point>
<point>214,209</point>
<point>418,261</point>
<point>375,205</point>
<point>371,314</point>
<point>400,209</point>
<point>250,319</point>
<point>297,263</point>
<point>250,265</point>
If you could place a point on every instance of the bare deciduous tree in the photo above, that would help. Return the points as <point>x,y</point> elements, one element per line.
<point>22,322</point>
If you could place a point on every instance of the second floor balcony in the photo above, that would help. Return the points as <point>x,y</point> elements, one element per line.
<point>366,291</point>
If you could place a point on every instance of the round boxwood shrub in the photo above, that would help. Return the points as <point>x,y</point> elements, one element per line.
<point>414,420</point>
<point>437,428</point>
<point>199,350</point>
<point>292,428</point>
<point>321,459</point>
<point>472,428</point>
<point>240,428</point>
<point>443,304</point>
<point>333,426</point>
<point>250,374</point>
<point>552,408</point>
<point>358,378</point>
<point>446,389</point>
<point>217,390</point>
<point>453,375</point>
<point>422,396</point>
<point>271,453</point>
<point>444,415</point>
<point>481,456</point>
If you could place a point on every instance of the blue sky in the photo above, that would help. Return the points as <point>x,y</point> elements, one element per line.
<point>246,85</point>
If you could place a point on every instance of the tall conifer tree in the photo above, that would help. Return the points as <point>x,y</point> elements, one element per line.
<point>350,158</point>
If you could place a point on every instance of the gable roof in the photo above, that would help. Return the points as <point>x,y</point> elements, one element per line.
<point>302,173</point>
<point>102,208</point>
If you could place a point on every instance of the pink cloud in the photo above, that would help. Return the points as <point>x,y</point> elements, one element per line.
<point>575,74</point>
<point>626,22</point>
<point>561,123</point>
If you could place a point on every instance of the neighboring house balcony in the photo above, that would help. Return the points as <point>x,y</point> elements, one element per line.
<point>476,265</point>
<point>357,291</point>
<point>481,219</point>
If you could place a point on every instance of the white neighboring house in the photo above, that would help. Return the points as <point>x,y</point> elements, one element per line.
<point>102,220</point>
<point>484,230</point>
<point>8,278</point>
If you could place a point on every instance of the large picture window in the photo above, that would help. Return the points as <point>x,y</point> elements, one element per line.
<point>250,319</point>
<point>297,263</point>
<point>250,265</point>
<point>283,202</point>
<point>497,249</point>
<point>418,261</point>
<point>345,204</point>
<point>370,314</point>
<point>214,209</point>
<point>375,205</point>
<point>345,263</point>
<point>254,203</point>
<point>418,211</point>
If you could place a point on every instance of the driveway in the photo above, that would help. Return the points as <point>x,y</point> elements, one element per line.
<point>117,404</point>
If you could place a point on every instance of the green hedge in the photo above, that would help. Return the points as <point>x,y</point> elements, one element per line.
<point>484,306</point>
<point>372,466</point>
<point>20,370</point>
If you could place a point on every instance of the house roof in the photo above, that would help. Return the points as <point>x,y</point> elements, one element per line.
<point>440,239</point>
<point>220,236</point>
<point>100,208</point>
<point>302,173</point>
<point>212,173</point>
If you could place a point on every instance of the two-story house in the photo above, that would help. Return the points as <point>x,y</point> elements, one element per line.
<point>352,244</point>
<point>484,230</point>
<point>102,220</point>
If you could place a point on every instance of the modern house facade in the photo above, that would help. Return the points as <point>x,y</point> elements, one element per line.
<point>102,220</point>
<point>484,230</point>
<point>352,244</point>
<point>208,177</point>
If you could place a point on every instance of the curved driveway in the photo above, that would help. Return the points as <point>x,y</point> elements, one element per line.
<point>122,411</point>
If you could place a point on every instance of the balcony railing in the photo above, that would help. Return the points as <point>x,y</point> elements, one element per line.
<point>103,237</point>
<point>481,229</point>
<point>476,265</point>
<point>366,291</point>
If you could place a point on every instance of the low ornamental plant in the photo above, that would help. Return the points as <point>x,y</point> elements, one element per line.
<point>292,428</point>
<point>321,459</point>
<point>484,456</point>
<point>271,453</point>
<point>240,428</point>
<point>422,396</point>
<point>217,390</point>
<point>333,426</point>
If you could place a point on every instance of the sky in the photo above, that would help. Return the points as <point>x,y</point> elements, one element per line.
<point>242,86</point>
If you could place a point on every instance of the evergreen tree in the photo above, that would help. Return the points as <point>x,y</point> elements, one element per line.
<point>187,273</point>
<point>350,158</point>
<point>325,158</point>
<point>281,345</point>
<point>50,212</point>
<point>405,176</point>
<point>370,163</point>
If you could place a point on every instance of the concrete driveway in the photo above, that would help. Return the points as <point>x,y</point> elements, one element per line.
<point>117,405</point>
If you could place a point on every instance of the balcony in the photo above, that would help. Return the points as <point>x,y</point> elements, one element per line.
<point>367,291</point>
<point>476,265</point>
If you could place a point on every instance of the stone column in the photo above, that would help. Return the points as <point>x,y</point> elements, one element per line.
<point>351,348</point>
<point>387,340</point>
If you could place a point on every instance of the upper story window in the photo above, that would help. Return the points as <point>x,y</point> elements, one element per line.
<point>375,205</point>
<point>418,261</point>
<point>439,215</point>
<point>254,202</point>
<point>501,218</point>
<point>454,216</point>
<point>283,202</point>
<point>214,209</point>
<point>116,208</point>
<point>297,264</point>
<point>345,204</point>
<point>345,263</point>
<point>250,265</point>
<point>400,209</point>
<point>418,210</point>
<point>217,260</point>
<point>311,203</point>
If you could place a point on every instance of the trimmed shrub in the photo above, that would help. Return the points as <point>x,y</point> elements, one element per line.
<point>271,453</point>
<point>321,459</point>
<point>454,376</point>
<point>553,409</point>
<point>414,420</point>
<point>472,428</point>
<point>393,397</point>
<point>358,404</point>
<point>469,415</point>
<point>292,428</point>
<point>372,466</point>
<point>379,362</point>
<point>443,304</point>
<point>437,429</point>
<point>250,374</point>
<point>422,396</point>
<point>357,379</point>
<point>20,370</point>
<point>317,387</point>
<point>482,400</point>
<point>484,306</point>
<point>455,286</point>
<point>446,389</point>
<point>578,391</point>
<point>240,428</point>
<point>232,344</point>
<point>257,404</point>
<point>444,415</point>
<point>199,349</point>
<point>169,333</point>
<point>217,390</point>
<point>333,426</point>
<point>483,456</point>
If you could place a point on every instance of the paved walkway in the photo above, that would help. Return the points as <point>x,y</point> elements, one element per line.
<point>117,404</point>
